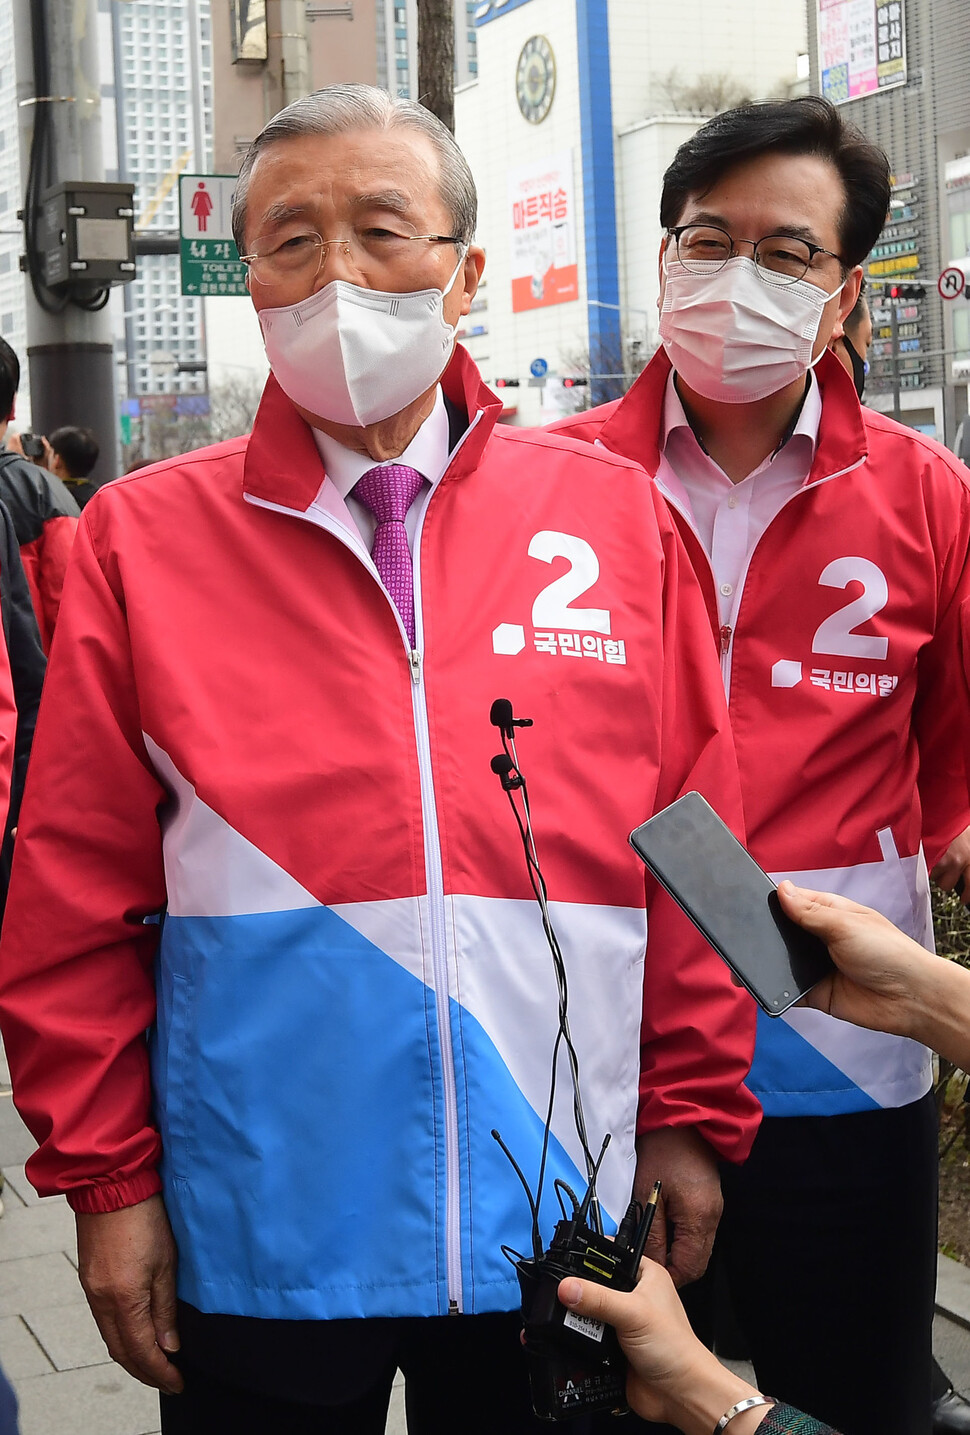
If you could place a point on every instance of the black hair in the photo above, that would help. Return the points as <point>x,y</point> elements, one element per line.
<point>77,449</point>
<point>807,125</point>
<point>9,379</point>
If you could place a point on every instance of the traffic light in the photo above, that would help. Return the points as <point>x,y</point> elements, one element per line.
<point>575,383</point>
<point>906,291</point>
<point>506,383</point>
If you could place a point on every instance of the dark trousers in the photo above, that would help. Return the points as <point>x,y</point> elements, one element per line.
<point>462,1373</point>
<point>828,1245</point>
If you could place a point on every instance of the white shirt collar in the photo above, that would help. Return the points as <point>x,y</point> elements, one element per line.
<point>428,452</point>
<point>806,427</point>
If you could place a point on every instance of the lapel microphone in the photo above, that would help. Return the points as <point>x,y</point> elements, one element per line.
<point>500,716</point>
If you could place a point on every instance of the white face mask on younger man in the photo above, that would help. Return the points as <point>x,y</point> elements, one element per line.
<point>732,336</point>
<point>358,356</point>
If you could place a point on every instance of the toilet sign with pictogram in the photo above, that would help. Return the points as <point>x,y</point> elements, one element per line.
<point>209,257</point>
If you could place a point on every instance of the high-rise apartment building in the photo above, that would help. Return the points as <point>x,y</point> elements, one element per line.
<point>397,45</point>
<point>161,83</point>
<point>13,316</point>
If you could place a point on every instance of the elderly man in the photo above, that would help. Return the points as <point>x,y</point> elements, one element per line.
<point>277,662</point>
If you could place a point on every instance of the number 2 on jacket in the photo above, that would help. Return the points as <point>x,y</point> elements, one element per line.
<point>835,634</point>
<point>551,608</point>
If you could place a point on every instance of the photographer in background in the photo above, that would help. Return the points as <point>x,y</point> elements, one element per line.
<point>43,512</point>
<point>73,454</point>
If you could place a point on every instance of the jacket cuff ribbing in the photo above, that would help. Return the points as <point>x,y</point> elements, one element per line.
<point>115,1195</point>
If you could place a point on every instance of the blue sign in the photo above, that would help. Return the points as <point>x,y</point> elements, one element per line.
<point>538,368</point>
<point>492,9</point>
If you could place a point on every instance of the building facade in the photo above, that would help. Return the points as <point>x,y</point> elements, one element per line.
<point>159,85</point>
<point>13,306</point>
<point>899,70</point>
<point>397,45</point>
<point>578,108</point>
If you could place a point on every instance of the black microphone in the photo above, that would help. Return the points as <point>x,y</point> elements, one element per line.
<point>500,716</point>
<point>503,767</point>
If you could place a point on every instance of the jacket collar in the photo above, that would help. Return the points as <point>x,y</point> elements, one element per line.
<point>633,423</point>
<point>283,466</point>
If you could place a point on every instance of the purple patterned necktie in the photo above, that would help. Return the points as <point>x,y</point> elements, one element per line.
<point>388,491</point>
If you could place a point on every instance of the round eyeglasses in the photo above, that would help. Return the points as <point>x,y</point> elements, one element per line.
<point>781,259</point>
<point>382,251</point>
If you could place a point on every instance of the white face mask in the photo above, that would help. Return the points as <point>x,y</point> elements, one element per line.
<point>734,338</point>
<point>357,356</point>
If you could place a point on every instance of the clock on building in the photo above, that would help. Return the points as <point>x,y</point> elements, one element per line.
<point>535,79</point>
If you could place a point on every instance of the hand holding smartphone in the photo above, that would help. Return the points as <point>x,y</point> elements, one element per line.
<point>731,901</point>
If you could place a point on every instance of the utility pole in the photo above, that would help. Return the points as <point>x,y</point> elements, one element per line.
<point>69,351</point>
<point>436,59</point>
<point>294,50</point>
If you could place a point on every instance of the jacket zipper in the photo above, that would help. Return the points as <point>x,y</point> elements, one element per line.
<point>437,926</point>
<point>434,875</point>
<point>439,961</point>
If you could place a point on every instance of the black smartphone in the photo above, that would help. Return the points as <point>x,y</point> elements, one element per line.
<point>32,445</point>
<point>731,901</point>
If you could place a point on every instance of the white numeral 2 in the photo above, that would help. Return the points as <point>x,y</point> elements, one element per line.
<point>835,634</point>
<point>551,608</point>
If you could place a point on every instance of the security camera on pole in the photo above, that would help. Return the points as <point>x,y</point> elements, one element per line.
<point>77,229</point>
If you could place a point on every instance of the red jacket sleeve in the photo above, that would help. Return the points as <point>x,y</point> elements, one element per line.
<point>941,714</point>
<point>76,984</point>
<point>8,730</point>
<point>45,563</point>
<point>698,1027</point>
<point>57,541</point>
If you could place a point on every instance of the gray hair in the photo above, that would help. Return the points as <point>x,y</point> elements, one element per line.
<point>339,109</point>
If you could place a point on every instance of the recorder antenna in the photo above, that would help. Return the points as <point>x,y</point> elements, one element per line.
<point>533,1205</point>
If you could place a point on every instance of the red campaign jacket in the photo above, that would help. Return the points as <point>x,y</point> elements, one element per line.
<point>348,912</point>
<point>45,518</point>
<point>846,681</point>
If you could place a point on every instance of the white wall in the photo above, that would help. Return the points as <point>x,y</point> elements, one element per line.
<point>757,43</point>
<point>495,138</point>
<point>233,342</point>
<point>643,153</point>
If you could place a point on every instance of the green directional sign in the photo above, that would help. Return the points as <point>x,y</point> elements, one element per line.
<point>209,258</point>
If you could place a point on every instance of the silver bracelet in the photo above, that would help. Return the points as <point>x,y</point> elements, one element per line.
<point>748,1404</point>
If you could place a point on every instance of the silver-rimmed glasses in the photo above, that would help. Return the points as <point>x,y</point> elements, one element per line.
<point>300,256</point>
<point>781,259</point>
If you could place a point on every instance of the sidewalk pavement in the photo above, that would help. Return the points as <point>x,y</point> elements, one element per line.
<point>52,1351</point>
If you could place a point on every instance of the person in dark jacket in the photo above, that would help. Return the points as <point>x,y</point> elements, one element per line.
<point>73,454</point>
<point>27,668</point>
<point>44,513</point>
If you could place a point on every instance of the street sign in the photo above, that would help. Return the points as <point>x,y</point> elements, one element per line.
<point>951,282</point>
<point>209,257</point>
<point>538,368</point>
